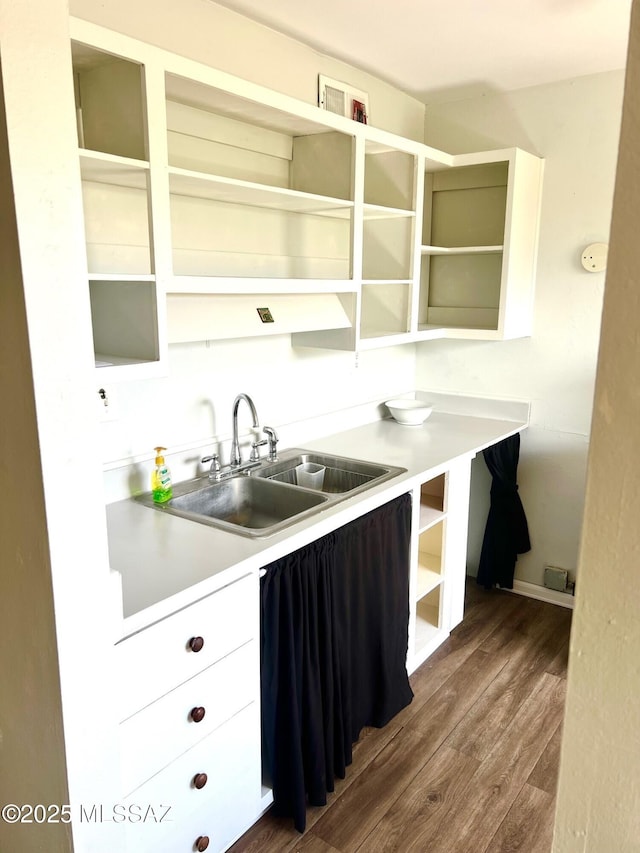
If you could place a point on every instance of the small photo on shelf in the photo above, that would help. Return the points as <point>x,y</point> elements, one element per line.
<point>359,112</point>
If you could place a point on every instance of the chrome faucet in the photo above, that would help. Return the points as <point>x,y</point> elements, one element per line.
<point>236,466</point>
<point>235,459</point>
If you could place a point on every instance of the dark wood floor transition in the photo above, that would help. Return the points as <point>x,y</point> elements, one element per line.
<point>471,765</point>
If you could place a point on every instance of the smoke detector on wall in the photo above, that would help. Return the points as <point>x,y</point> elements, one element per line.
<point>594,257</point>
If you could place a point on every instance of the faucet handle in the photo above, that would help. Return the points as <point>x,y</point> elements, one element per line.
<point>255,453</point>
<point>272,437</point>
<point>215,464</point>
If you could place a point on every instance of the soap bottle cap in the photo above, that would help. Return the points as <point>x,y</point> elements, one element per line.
<point>159,457</point>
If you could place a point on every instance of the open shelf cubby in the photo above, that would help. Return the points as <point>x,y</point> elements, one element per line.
<point>430,567</point>
<point>462,252</point>
<point>432,501</point>
<point>428,619</point>
<point>253,192</point>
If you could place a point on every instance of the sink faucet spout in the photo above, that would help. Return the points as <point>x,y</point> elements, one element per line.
<point>235,459</point>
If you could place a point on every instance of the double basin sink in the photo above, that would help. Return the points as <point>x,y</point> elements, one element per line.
<point>267,499</point>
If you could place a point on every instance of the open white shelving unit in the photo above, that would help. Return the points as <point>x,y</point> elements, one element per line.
<point>127,310</point>
<point>438,560</point>
<point>207,197</point>
<point>427,627</point>
<point>479,232</point>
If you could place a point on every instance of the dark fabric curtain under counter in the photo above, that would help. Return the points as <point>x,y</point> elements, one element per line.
<point>335,618</point>
<point>506,534</point>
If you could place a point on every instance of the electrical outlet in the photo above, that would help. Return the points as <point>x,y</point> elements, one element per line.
<point>107,403</point>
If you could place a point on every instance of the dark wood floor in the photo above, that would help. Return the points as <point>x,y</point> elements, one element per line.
<point>471,765</point>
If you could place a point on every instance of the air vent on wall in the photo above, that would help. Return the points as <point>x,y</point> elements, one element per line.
<point>343,99</point>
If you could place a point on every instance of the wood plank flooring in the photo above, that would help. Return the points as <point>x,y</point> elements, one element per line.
<point>471,765</point>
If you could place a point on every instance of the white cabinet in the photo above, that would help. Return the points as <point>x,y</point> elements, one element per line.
<point>388,244</point>
<point>127,310</point>
<point>211,791</point>
<point>185,715</point>
<point>438,560</point>
<point>152,662</point>
<point>189,732</point>
<point>479,246</point>
<point>209,199</point>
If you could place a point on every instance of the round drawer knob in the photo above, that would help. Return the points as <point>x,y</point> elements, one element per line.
<point>200,780</point>
<point>202,842</point>
<point>197,714</point>
<point>196,643</point>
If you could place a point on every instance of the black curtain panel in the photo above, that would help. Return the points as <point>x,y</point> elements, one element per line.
<point>506,534</point>
<point>335,618</point>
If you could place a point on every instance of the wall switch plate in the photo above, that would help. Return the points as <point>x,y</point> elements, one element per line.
<point>107,403</point>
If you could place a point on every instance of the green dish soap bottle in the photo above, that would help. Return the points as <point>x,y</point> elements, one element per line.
<point>161,479</point>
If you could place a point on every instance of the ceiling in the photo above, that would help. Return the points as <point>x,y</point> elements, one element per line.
<point>441,50</point>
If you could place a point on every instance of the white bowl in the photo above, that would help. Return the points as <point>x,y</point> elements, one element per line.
<point>409,412</point>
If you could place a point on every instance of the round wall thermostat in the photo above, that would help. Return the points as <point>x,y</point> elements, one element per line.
<point>594,257</point>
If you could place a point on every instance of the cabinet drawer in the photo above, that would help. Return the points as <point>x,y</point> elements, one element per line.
<point>155,736</point>
<point>155,660</point>
<point>223,809</point>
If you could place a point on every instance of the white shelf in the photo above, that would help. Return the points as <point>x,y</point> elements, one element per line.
<point>379,211</point>
<point>370,339</point>
<point>233,191</point>
<point>426,624</point>
<point>461,250</point>
<point>107,276</point>
<point>430,332</point>
<point>429,576</point>
<point>377,146</point>
<point>386,281</point>
<point>223,94</point>
<point>431,511</point>
<point>110,169</point>
<point>104,361</point>
<point>222,285</point>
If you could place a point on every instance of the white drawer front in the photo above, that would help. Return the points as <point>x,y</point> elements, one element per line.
<point>157,659</point>
<point>222,810</point>
<point>155,736</point>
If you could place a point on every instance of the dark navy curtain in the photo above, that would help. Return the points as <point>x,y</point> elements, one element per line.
<point>506,534</point>
<point>335,618</point>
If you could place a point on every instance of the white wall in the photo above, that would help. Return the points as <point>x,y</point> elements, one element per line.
<point>204,31</point>
<point>599,786</point>
<point>574,125</point>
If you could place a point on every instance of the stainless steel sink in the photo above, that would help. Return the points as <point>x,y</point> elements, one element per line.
<point>341,474</point>
<point>267,499</point>
<point>242,504</point>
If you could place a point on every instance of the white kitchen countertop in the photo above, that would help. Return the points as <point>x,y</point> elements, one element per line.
<point>166,562</point>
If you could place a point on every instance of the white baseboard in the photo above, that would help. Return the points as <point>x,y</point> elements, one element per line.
<point>541,593</point>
